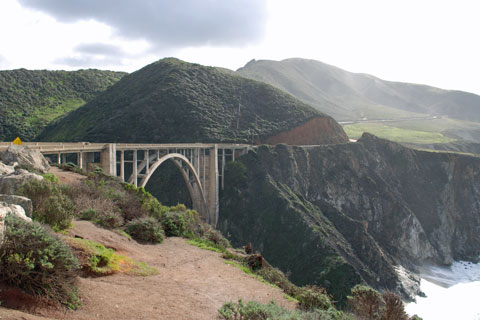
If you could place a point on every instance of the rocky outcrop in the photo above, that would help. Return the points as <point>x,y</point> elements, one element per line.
<point>23,202</point>
<point>25,157</point>
<point>385,205</point>
<point>12,178</point>
<point>10,209</point>
<point>4,169</point>
<point>11,183</point>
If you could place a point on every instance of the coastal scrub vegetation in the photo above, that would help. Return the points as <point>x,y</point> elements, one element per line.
<point>38,262</point>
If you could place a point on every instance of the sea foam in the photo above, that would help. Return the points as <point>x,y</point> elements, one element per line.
<point>452,292</point>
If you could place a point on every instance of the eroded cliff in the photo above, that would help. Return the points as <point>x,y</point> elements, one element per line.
<point>341,214</point>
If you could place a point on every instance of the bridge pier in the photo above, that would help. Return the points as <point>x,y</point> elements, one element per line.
<point>108,159</point>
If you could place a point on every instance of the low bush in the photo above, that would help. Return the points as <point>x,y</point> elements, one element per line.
<point>51,205</point>
<point>278,278</point>
<point>253,310</point>
<point>38,262</point>
<point>146,229</point>
<point>88,214</point>
<point>394,309</point>
<point>131,207</point>
<point>254,261</point>
<point>312,297</point>
<point>108,219</point>
<point>217,238</point>
<point>365,302</point>
<point>174,224</point>
<point>50,177</point>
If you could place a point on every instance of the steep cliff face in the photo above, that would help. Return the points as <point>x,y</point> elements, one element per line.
<point>357,209</point>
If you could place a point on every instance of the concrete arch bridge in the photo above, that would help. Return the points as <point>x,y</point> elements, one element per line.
<point>202,165</point>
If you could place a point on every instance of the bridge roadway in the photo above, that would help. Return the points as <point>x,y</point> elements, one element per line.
<point>202,164</point>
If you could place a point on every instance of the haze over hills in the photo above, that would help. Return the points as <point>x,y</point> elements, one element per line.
<point>412,114</point>
<point>31,99</point>
<point>175,101</point>
<point>353,96</point>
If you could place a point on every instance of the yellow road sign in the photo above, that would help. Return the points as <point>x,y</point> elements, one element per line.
<point>17,141</point>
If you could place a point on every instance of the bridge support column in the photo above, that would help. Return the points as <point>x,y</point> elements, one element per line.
<point>135,168</point>
<point>108,159</point>
<point>80,160</point>
<point>211,186</point>
<point>122,165</point>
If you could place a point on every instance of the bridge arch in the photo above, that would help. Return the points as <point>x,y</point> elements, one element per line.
<point>190,176</point>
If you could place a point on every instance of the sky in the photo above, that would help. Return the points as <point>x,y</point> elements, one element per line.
<point>434,42</point>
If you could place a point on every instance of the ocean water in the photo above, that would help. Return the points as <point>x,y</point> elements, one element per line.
<point>452,293</point>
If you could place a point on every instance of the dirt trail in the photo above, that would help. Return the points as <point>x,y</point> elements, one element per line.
<point>192,284</point>
<point>67,177</point>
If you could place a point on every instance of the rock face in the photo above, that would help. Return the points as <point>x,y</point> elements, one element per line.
<point>4,169</point>
<point>23,202</point>
<point>10,183</point>
<point>25,156</point>
<point>10,209</point>
<point>342,214</point>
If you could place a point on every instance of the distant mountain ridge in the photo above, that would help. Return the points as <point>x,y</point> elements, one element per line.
<point>353,96</point>
<point>175,101</point>
<point>31,99</point>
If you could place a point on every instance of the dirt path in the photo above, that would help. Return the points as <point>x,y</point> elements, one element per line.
<point>67,177</point>
<point>192,283</point>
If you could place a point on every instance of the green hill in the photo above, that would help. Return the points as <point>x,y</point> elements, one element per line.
<point>353,96</point>
<point>29,100</point>
<point>174,101</point>
<point>417,115</point>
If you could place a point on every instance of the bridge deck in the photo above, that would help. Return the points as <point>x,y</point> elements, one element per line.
<point>65,147</point>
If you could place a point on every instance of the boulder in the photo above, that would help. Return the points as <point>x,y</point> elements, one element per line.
<point>25,157</point>
<point>10,209</point>
<point>23,202</point>
<point>10,183</point>
<point>4,169</point>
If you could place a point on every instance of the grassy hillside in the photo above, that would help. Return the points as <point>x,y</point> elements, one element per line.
<point>174,101</point>
<point>352,96</point>
<point>29,100</point>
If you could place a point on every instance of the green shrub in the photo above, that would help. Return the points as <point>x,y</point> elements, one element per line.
<point>38,262</point>
<point>217,238</point>
<point>174,224</point>
<point>108,219</point>
<point>365,302</point>
<point>253,310</point>
<point>312,297</point>
<point>131,207</point>
<point>146,229</point>
<point>394,309</point>
<point>88,214</point>
<point>50,203</point>
<point>50,177</point>
<point>278,278</point>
